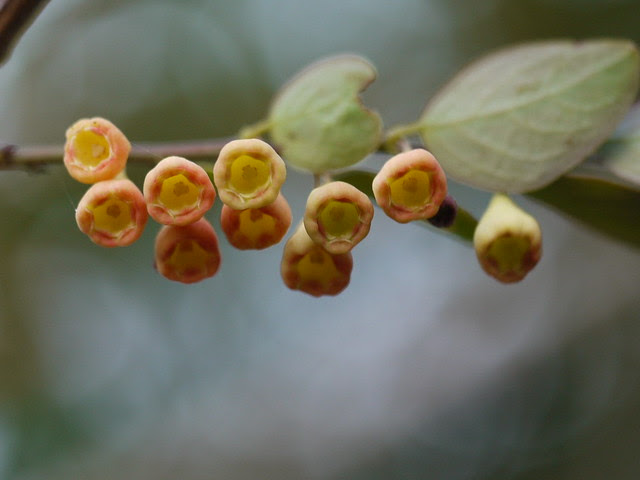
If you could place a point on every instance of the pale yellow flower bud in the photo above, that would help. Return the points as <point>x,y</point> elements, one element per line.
<point>338,216</point>
<point>507,240</point>
<point>112,213</point>
<point>178,191</point>
<point>308,267</point>
<point>248,174</point>
<point>95,150</point>
<point>410,186</point>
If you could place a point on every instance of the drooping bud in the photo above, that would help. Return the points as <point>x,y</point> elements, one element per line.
<point>188,253</point>
<point>338,216</point>
<point>248,174</point>
<point>410,186</point>
<point>178,191</point>
<point>95,150</point>
<point>112,213</point>
<point>308,267</point>
<point>507,240</point>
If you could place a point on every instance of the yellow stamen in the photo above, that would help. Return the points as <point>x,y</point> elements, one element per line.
<point>339,219</point>
<point>178,192</point>
<point>249,174</point>
<point>112,216</point>
<point>508,253</point>
<point>254,224</point>
<point>188,255</point>
<point>317,266</point>
<point>411,190</point>
<point>90,148</point>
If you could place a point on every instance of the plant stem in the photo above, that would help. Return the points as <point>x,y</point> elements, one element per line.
<point>35,158</point>
<point>15,16</point>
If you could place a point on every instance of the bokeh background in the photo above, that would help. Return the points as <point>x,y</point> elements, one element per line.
<point>423,368</point>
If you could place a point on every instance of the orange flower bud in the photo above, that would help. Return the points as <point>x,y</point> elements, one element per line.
<point>248,174</point>
<point>308,267</point>
<point>507,240</point>
<point>178,191</point>
<point>256,228</point>
<point>410,186</point>
<point>338,216</point>
<point>95,150</point>
<point>188,253</point>
<point>112,213</point>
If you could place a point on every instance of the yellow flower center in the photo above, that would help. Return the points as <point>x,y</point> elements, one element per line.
<point>339,219</point>
<point>317,266</point>
<point>248,174</point>
<point>254,224</point>
<point>411,190</point>
<point>178,192</point>
<point>189,256</point>
<point>112,216</point>
<point>90,148</point>
<point>508,252</point>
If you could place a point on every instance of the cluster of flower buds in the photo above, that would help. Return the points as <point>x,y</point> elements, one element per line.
<point>113,212</point>
<point>317,258</point>
<point>248,176</point>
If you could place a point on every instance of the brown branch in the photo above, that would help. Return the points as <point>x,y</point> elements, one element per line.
<point>36,158</point>
<point>15,16</point>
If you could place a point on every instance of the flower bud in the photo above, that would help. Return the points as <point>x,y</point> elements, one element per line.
<point>256,228</point>
<point>95,150</point>
<point>178,191</point>
<point>507,240</point>
<point>188,253</point>
<point>338,216</point>
<point>445,217</point>
<point>308,267</point>
<point>410,186</point>
<point>248,174</point>
<point>112,213</point>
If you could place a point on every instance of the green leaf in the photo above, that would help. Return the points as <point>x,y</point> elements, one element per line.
<point>522,117</point>
<point>463,226</point>
<point>318,122</point>
<point>606,206</point>
<point>621,153</point>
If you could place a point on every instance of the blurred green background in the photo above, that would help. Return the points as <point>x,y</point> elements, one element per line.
<point>423,368</point>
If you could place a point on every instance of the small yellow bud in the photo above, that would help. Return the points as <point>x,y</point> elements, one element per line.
<point>338,216</point>
<point>256,228</point>
<point>178,191</point>
<point>410,186</point>
<point>112,213</point>
<point>248,174</point>
<point>507,240</point>
<point>95,150</point>
<point>308,267</point>
<point>188,253</point>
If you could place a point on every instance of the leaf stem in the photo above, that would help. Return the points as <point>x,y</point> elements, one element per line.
<point>396,141</point>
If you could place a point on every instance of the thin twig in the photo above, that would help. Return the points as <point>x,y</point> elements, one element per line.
<point>15,16</point>
<point>35,158</point>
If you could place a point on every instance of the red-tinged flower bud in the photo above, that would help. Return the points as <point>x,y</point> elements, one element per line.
<point>256,228</point>
<point>112,213</point>
<point>95,150</point>
<point>338,216</point>
<point>308,267</point>
<point>248,174</point>
<point>178,191</point>
<point>507,240</point>
<point>188,253</point>
<point>410,186</point>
